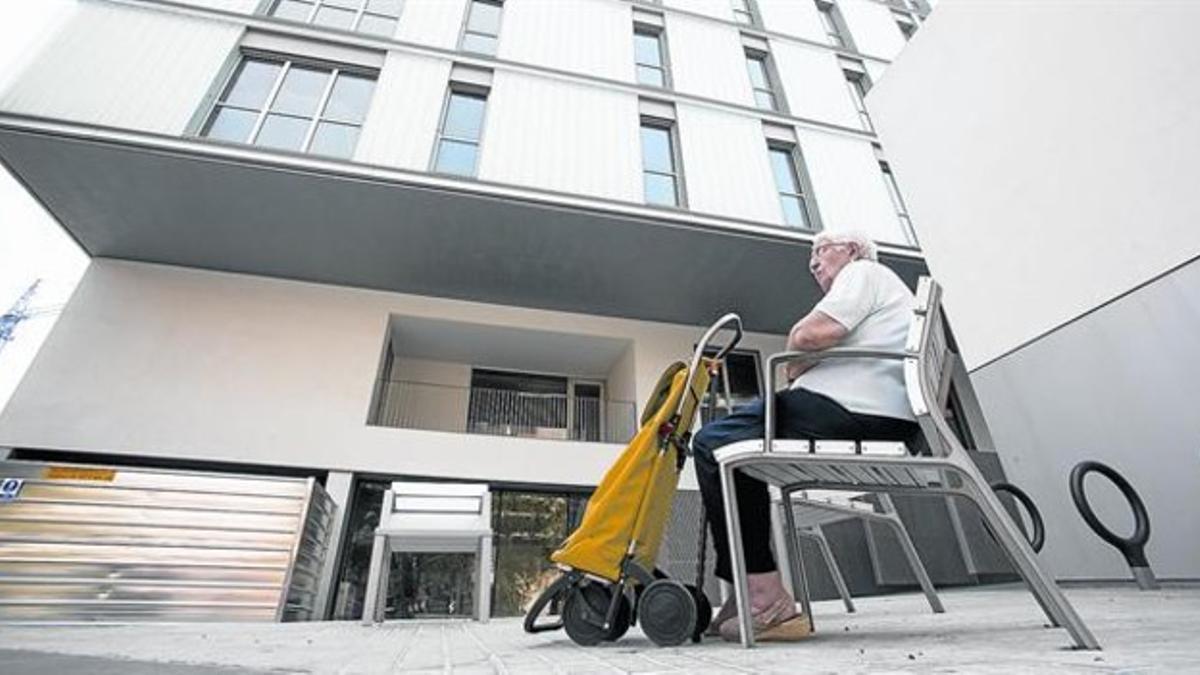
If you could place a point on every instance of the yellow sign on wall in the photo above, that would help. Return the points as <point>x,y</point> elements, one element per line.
<point>78,473</point>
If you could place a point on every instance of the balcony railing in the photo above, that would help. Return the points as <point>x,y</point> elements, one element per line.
<point>407,404</point>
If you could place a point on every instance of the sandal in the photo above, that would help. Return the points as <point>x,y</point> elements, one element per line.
<point>779,622</point>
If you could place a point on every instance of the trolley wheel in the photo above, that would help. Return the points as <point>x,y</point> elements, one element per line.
<point>584,611</point>
<point>667,612</point>
<point>704,612</point>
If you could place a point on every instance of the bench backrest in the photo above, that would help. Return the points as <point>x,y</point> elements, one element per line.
<point>437,508</point>
<point>939,389</point>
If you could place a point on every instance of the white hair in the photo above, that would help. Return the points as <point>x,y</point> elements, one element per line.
<point>866,247</point>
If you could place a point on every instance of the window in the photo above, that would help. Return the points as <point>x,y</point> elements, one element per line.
<point>649,56</point>
<point>785,167</point>
<point>835,29</point>
<point>285,104</point>
<point>739,383</point>
<point>743,12</point>
<point>905,21</point>
<point>760,79</point>
<point>481,33</point>
<point>461,130</point>
<point>898,203</point>
<point>857,83</point>
<point>660,177</point>
<point>377,17</point>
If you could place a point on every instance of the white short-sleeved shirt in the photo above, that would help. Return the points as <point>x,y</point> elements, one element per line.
<point>875,306</point>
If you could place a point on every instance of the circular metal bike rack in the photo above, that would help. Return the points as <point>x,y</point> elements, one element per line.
<point>1133,548</point>
<point>1038,538</point>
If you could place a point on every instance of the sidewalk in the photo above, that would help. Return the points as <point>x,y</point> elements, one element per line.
<point>984,630</point>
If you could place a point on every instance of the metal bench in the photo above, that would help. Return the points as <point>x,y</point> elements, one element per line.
<point>811,509</point>
<point>936,382</point>
<point>432,518</point>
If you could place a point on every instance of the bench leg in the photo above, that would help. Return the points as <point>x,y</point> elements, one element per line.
<point>733,525</point>
<point>1013,541</point>
<point>375,599</point>
<point>795,561</point>
<point>910,552</point>
<point>835,572</point>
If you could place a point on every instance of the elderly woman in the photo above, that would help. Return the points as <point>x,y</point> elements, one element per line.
<point>865,306</point>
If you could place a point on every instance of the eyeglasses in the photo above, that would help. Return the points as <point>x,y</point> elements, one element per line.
<point>818,251</point>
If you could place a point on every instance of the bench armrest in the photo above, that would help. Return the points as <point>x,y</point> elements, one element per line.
<point>775,360</point>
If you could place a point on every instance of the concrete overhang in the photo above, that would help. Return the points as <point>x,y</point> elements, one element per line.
<point>182,201</point>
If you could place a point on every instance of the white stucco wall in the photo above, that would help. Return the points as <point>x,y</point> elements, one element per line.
<point>1077,187</point>
<point>1045,154</point>
<point>162,361</point>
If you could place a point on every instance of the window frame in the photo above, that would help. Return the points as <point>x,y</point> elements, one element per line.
<point>898,205</point>
<point>774,88</point>
<point>286,61</point>
<point>660,34</point>
<point>905,20</point>
<point>829,10</point>
<point>672,128</point>
<point>356,27</point>
<point>751,13</point>
<point>471,90</point>
<point>465,30</point>
<point>803,183</point>
<point>858,85</point>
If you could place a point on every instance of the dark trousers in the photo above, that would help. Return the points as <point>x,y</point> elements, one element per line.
<point>799,414</point>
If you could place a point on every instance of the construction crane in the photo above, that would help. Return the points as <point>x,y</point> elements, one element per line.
<point>21,311</point>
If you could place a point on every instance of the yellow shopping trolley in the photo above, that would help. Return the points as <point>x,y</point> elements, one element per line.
<point>609,580</point>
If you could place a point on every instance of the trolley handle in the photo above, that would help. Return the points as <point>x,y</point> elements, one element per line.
<point>725,321</point>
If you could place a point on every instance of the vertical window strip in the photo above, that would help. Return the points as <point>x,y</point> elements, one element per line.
<point>481,32</point>
<point>792,200</point>
<point>833,32</point>
<point>377,17</point>
<point>906,23</point>
<point>660,173</point>
<point>889,181</point>
<point>760,80</point>
<point>854,82</point>
<point>649,58</point>
<point>460,133</point>
<point>744,13</point>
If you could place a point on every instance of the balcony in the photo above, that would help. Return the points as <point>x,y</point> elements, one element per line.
<point>407,404</point>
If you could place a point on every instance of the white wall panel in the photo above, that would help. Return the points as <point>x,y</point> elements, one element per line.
<point>872,28</point>
<point>405,112</point>
<point>814,84</point>
<point>125,67</point>
<point>999,153</point>
<point>848,185</point>
<point>798,18</point>
<point>1119,386</point>
<point>707,59</point>
<point>725,165</point>
<point>717,9</point>
<point>594,37</point>
<point>561,136</point>
<point>436,23</point>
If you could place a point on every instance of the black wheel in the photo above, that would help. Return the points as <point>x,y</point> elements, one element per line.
<point>584,611</point>
<point>667,612</point>
<point>704,612</point>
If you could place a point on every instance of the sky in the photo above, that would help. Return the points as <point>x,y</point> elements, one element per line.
<point>32,245</point>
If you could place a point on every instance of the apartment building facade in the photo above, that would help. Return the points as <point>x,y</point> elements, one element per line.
<point>431,239</point>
